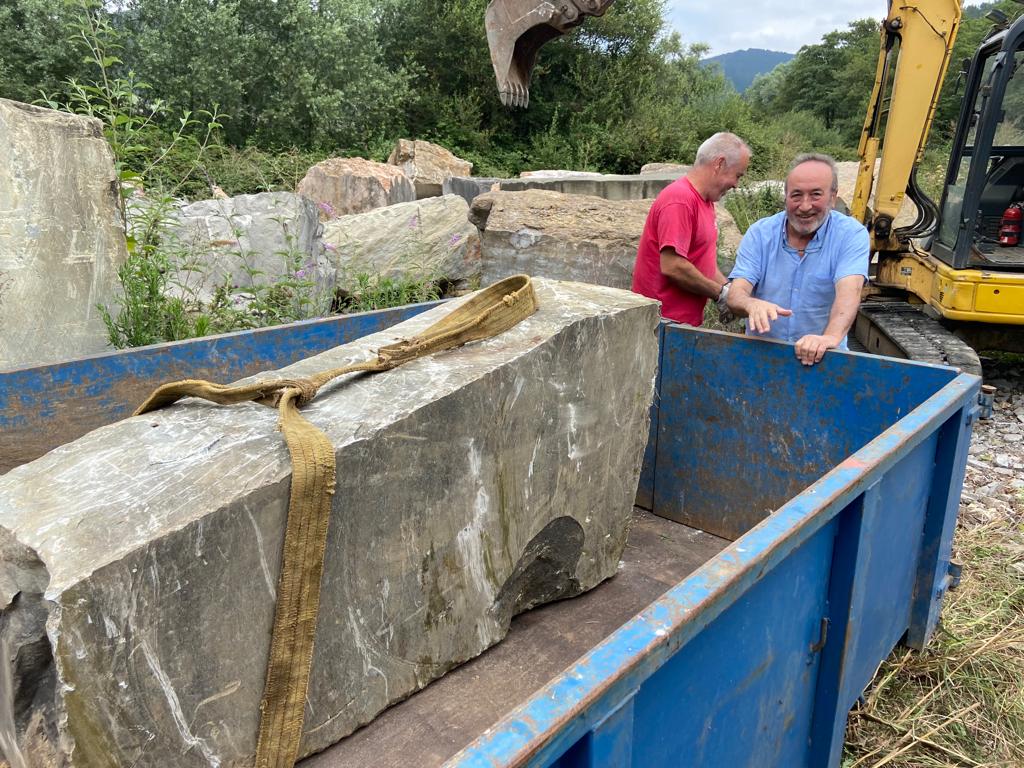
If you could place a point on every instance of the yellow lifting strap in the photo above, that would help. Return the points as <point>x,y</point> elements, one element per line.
<point>491,311</point>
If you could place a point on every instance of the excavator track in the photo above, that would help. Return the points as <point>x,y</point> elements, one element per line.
<point>899,329</point>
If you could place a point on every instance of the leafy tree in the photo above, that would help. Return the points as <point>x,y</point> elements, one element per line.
<point>40,50</point>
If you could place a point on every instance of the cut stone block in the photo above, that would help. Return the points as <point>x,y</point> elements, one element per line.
<point>468,187</point>
<point>608,186</point>
<point>430,239</point>
<point>564,237</point>
<point>252,240</point>
<point>666,168</point>
<point>61,238</point>
<point>428,165</point>
<point>344,185</point>
<point>139,564</point>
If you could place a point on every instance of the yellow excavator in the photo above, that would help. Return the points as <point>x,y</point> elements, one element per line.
<point>955,274</point>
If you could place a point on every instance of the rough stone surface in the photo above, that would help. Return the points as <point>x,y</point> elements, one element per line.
<point>665,168</point>
<point>250,239</point>
<point>431,238</point>
<point>564,237</point>
<point>140,562</point>
<point>344,185</point>
<point>61,240</point>
<point>428,165</point>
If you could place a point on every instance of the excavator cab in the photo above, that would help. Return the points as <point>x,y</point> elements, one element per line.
<point>516,30</point>
<point>985,178</point>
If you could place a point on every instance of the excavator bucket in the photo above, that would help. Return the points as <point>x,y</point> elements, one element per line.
<point>516,29</point>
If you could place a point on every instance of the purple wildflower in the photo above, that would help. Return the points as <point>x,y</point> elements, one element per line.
<point>326,207</point>
<point>331,247</point>
<point>455,239</point>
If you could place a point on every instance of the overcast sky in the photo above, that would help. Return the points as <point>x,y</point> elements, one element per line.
<point>778,25</point>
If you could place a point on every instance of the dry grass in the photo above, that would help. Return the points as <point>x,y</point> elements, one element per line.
<point>961,702</point>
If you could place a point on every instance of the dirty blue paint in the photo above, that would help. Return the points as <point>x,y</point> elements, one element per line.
<point>755,658</point>
<point>45,406</point>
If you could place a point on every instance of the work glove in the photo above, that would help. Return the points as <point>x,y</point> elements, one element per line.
<point>725,315</point>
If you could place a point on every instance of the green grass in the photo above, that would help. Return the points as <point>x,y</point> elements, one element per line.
<point>961,701</point>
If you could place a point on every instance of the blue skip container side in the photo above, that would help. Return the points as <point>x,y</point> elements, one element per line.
<point>832,492</point>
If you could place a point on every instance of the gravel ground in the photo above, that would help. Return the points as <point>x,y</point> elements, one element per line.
<point>994,483</point>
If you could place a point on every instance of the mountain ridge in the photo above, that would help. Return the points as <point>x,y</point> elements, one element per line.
<point>741,67</point>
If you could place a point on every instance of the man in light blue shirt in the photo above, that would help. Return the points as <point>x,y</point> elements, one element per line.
<point>799,273</point>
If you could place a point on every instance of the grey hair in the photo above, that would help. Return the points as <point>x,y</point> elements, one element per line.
<point>817,157</point>
<point>722,144</point>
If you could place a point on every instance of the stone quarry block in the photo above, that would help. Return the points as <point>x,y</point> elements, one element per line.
<point>251,239</point>
<point>428,239</point>
<point>564,237</point>
<point>344,185</point>
<point>468,187</point>
<point>666,168</point>
<point>608,186</point>
<point>139,564</point>
<point>61,238</point>
<point>428,165</point>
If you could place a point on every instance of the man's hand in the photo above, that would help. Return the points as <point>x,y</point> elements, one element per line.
<point>810,349</point>
<point>761,314</point>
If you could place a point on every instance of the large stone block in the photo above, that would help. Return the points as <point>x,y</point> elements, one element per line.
<point>609,186</point>
<point>139,563</point>
<point>251,240</point>
<point>429,239</point>
<point>344,185</point>
<point>61,238</point>
<point>428,165</point>
<point>564,237</point>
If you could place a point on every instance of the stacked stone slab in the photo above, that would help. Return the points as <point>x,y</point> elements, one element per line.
<point>61,238</point>
<point>139,564</point>
<point>429,240</point>
<point>427,165</point>
<point>344,185</point>
<point>564,237</point>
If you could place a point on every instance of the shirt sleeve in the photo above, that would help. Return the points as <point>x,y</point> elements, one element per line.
<point>750,257</point>
<point>675,229</point>
<point>854,255</point>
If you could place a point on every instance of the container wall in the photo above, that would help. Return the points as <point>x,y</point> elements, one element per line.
<point>743,426</point>
<point>756,658</point>
<point>47,406</point>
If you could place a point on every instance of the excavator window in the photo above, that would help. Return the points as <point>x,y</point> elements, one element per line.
<point>993,182</point>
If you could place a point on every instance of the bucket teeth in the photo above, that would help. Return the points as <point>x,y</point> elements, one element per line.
<point>516,30</point>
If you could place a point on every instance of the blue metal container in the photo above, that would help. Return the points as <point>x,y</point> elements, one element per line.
<point>840,485</point>
<point>837,485</point>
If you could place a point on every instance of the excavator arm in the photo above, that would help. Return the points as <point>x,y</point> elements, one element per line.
<point>917,41</point>
<point>516,30</point>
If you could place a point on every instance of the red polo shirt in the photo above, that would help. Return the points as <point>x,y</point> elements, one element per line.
<point>682,220</point>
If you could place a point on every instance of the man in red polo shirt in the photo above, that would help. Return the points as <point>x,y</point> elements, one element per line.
<point>677,262</point>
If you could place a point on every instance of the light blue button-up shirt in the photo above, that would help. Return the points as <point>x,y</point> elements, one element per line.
<point>807,285</point>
